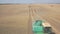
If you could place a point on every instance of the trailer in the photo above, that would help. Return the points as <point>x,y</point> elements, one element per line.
<point>41,27</point>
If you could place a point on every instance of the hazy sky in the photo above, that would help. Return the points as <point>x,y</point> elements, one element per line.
<point>29,1</point>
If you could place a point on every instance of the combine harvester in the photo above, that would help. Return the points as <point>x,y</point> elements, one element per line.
<point>41,27</point>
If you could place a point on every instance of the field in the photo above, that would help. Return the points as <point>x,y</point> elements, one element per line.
<point>17,18</point>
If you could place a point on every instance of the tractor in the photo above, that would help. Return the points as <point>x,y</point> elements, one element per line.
<point>41,27</point>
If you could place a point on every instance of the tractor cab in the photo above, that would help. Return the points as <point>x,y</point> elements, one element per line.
<point>47,28</point>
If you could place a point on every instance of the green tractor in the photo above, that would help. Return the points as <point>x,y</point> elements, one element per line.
<point>39,27</point>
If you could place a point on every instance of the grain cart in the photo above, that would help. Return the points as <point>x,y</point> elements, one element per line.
<point>40,27</point>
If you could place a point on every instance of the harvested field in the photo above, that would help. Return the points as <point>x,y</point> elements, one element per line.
<point>15,19</point>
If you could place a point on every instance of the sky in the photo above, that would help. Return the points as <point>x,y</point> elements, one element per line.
<point>30,1</point>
